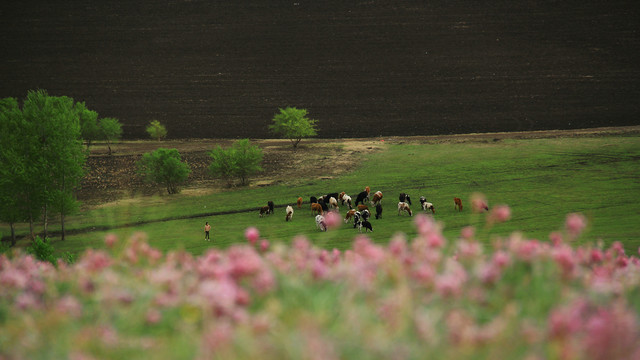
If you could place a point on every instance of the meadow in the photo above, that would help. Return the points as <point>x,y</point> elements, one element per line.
<point>540,179</point>
<point>556,276</point>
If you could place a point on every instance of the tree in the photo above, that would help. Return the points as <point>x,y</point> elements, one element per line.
<point>12,165</point>
<point>156,130</point>
<point>89,127</point>
<point>293,124</point>
<point>241,160</point>
<point>110,130</point>
<point>164,166</point>
<point>57,157</point>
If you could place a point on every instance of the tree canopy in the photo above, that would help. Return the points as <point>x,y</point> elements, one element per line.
<point>164,166</point>
<point>110,130</point>
<point>241,160</point>
<point>292,123</point>
<point>156,130</point>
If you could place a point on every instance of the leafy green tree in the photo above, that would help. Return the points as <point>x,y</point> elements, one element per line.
<point>241,160</point>
<point>292,123</point>
<point>110,130</point>
<point>164,166</point>
<point>13,167</point>
<point>156,130</point>
<point>89,128</point>
<point>56,157</point>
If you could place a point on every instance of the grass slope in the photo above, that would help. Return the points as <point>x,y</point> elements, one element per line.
<point>540,179</point>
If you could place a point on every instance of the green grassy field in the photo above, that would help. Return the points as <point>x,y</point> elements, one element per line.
<point>540,179</point>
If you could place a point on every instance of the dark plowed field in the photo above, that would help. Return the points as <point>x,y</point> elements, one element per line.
<point>362,68</point>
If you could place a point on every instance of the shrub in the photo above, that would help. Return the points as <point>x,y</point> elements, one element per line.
<point>241,160</point>
<point>42,250</point>
<point>156,130</point>
<point>164,166</point>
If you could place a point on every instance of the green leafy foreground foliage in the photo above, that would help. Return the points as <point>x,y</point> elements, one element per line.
<point>421,297</point>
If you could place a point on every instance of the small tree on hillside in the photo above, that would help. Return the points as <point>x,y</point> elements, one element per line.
<point>89,127</point>
<point>164,166</point>
<point>110,130</point>
<point>293,124</point>
<point>241,160</point>
<point>156,130</point>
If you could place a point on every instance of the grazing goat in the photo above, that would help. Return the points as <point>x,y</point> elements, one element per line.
<point>289,212</point>
<point>379,211</point>
<point>320,224</point>
<point>362,197</point>
<point>299,202</point>
<point>405,198</point>
<point>366,214</point>
<point>403,206</point>
<point>264,211</point>
<point>334,203</point>
<point>377,196</point>
<point>362,207</point>
<point>316,209</point>
<point>458,203</point>
<point>350,214</point>
<point>342,194</point>
<point>367,189</point>
<point>426,205</point>
<point>271,206</point>
<point>313,200</point>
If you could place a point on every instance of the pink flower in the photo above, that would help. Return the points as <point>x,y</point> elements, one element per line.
<point>575,224</point>
<point>153,316</point>
<point>264,245</point>
<point>612,334</point>
<point>501,259</point>
<point>468,232</point>
<point>499,214</point>
<point>563,255</point>
<point>252,234</point>
<point>69,305</point>
<point>110,240</point>
<point>332,219</point>
<point>479,203</point>
<point>556,238</point>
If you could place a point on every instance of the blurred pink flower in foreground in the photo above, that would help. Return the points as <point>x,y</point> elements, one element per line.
<point>252,234</point>
<point>575,224</point>
<point>479,203</point>
<point>332,219</point>
<point>499,214</point>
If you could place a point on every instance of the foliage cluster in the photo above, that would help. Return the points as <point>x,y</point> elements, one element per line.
<point>292,123</point>
<point>413,298</point>
<point>156,130</point>
<point>164,166</point>
<point>239,161</point>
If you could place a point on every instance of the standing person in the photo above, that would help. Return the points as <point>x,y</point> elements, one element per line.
<point>207,228</point>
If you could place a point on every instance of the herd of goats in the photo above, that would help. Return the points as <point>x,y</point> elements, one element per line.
<point>359,215</point>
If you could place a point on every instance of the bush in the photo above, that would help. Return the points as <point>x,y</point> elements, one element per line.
<point>42,250</point>
<point>241,160</point>
<point>164,166</point>
<point>156,130</point>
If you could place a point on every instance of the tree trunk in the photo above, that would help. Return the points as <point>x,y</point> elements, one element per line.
<point>45,219</point>
<point>13,234</point>
<point>109,146</point>
<point>33,235</point>
<point>62,224</point>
